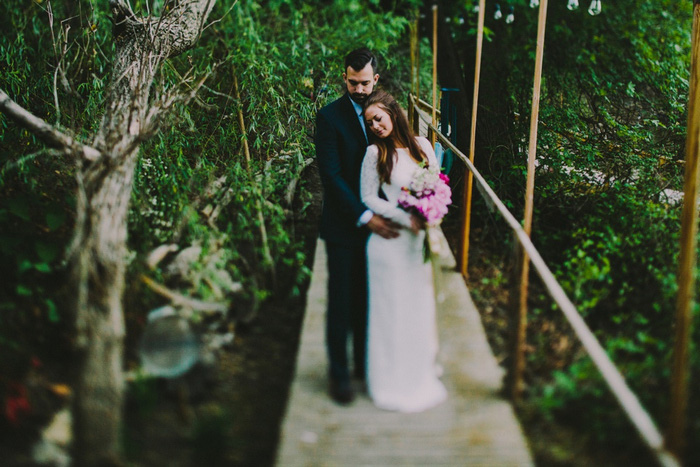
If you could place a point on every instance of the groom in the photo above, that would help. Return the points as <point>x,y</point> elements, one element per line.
<point>341,141</point>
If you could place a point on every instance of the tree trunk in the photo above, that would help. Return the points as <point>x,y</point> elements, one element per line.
<point>99,245</point>
<point>105,180</point>
<point>98,269</point>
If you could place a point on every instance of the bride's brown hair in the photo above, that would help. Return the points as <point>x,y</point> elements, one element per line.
<point>401,135</point>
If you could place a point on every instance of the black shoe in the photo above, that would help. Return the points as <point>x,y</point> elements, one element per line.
<point>341,392</point>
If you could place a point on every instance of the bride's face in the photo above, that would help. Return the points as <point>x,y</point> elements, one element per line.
<point>378,121</point>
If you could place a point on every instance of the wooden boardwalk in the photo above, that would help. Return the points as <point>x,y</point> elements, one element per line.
<point>474,427</point>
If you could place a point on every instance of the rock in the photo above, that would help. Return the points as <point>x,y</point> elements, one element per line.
<point>52,447</point>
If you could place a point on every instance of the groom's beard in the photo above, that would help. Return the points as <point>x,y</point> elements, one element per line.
<point>359,98</point>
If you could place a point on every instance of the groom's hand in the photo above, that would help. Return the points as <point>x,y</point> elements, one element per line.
<point>417,224</point>
<point>383,227</point>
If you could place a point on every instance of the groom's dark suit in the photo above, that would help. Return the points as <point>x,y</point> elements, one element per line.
<point>340,148</point>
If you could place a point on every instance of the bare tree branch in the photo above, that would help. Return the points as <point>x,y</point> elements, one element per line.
<point>181,300</point>
<point>44,131</point>
<point>220,19</point>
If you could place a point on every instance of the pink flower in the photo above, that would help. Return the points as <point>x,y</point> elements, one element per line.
<point>427,195</point>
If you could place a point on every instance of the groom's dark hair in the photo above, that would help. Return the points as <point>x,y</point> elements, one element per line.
<point>359,58</point>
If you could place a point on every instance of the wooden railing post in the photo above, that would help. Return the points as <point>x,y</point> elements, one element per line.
<point>417,27</point>
<point>675,436</point>
<point>518,368</point>
<point>467,214</point>
<point>414,73</point>
<point>433,137</point>
<point>414,55</point>
<point>416,119</point>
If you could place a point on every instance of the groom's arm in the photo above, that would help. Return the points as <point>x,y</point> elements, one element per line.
<point>330,167</point>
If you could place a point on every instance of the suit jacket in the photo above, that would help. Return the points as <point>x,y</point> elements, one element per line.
<point>340,148</point>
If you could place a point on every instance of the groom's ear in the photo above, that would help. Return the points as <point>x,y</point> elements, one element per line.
<point>376,78</point>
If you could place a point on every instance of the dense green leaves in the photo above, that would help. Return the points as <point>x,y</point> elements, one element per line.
<point>193,186</point>
<point>286,60</point>
<point>610,149</point>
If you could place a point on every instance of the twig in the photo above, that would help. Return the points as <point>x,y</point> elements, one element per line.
<point>183,301</point>
<point>222,17</point>
<point>220,94</point>
<point>208,7</point>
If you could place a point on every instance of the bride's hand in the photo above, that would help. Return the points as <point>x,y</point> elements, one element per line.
<point>417,224</point>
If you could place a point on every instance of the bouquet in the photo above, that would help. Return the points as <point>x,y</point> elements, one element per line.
<point>427,195</point>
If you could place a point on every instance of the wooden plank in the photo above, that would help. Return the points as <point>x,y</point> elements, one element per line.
<point>475,426</point>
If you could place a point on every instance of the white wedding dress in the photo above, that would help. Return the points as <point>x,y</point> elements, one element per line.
<point>402,374</point>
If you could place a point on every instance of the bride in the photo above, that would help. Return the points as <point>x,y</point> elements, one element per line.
<point>402,374</point>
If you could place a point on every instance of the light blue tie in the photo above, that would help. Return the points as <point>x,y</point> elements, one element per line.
<point>362,124</point>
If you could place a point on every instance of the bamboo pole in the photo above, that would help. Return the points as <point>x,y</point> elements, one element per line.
<point>433,137</point>
<point>258,195</point>
<point>241,123</point>
<point>413,39</point>
<point>675,436</point>
<point>414,62</point>
<point>417,57</point>
<point>521,329</point>
<point>466,221</point>
<point>416,118</point>
<point>411,111</point>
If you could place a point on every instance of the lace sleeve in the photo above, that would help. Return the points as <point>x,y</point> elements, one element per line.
<point>369,190</point>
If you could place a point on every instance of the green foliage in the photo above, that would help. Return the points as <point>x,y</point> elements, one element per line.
<point>36,185</point>
<point>286,65</point>
<point>286,57</point>
<point>611,135</point>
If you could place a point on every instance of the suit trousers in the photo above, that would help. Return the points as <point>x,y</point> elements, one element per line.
<point>347,309</point>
